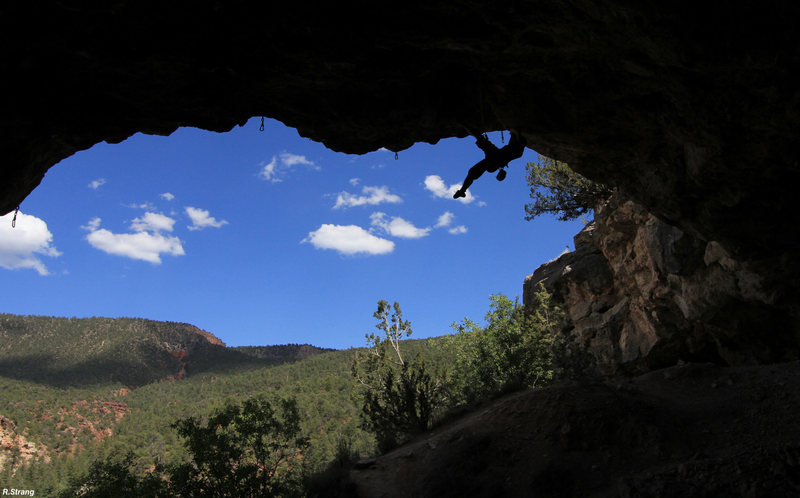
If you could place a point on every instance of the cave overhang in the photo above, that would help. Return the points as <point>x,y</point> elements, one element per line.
<point>691,110</point>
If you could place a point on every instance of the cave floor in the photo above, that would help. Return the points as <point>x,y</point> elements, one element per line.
<point>687,430</point>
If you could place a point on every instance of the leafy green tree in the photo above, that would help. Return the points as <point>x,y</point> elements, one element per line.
<point>247,450</point>
<point>556,189</point>
<point>117,477</point>
<point>243,450</point>
<point>513,351</point>
<point>398,397</point>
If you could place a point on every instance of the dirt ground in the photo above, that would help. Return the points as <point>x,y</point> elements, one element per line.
<point>694,430</point>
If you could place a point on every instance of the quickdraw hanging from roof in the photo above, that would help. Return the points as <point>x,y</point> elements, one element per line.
<point>14,220</point>
<point>261,128</point>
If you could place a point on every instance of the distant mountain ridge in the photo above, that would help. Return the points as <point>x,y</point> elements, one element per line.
<point>132,351</point>
<point>282,351</point>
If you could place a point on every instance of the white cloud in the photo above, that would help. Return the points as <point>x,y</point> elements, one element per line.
<point>93,224</point>
<point>269,171</point>
<point>372,196</point>
<point>201,218</point>
<point>289,159</point>
<point>140,245</point>
<point>348,239</point>
<point>354,182</point>
<point>150,222</point>
<point>397,227</point>
<point>146,243</point>
<point>96,184</point>
<point>167,196</point>
<point>276,169</point>
<point>445,219</point>
<point>144,205</point>
<point>437,187</point>
<point>20,246</point>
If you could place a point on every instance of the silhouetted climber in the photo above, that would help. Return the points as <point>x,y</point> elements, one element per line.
<point>495,159</point>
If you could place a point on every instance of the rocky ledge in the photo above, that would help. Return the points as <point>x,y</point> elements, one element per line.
<point>640,294</point>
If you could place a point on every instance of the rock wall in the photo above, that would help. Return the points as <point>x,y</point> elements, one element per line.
<point>640,294</point>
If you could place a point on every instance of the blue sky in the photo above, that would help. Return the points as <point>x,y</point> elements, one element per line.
<point>270,238</point>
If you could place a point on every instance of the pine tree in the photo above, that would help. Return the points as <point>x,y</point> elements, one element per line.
<point>556,189</point>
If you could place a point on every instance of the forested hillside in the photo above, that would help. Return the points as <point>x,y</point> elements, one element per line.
<point>72,352</point>
<point>129,407</point>
<point>76,390</point>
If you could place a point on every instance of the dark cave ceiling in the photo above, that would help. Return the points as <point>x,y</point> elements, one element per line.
<point>691,110</point>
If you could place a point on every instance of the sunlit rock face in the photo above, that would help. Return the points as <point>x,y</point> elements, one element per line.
<point>640,294</point>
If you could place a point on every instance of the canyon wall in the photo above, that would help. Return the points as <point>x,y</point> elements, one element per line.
<point>641,294</point>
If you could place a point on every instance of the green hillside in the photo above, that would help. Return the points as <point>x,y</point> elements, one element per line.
<point>76,390</point>
<point>70,352</point>
<point>75,394</point>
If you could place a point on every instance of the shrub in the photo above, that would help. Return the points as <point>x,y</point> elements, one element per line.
<point>514,350</point>
<point>398,397</point>
<point>556,189</point>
